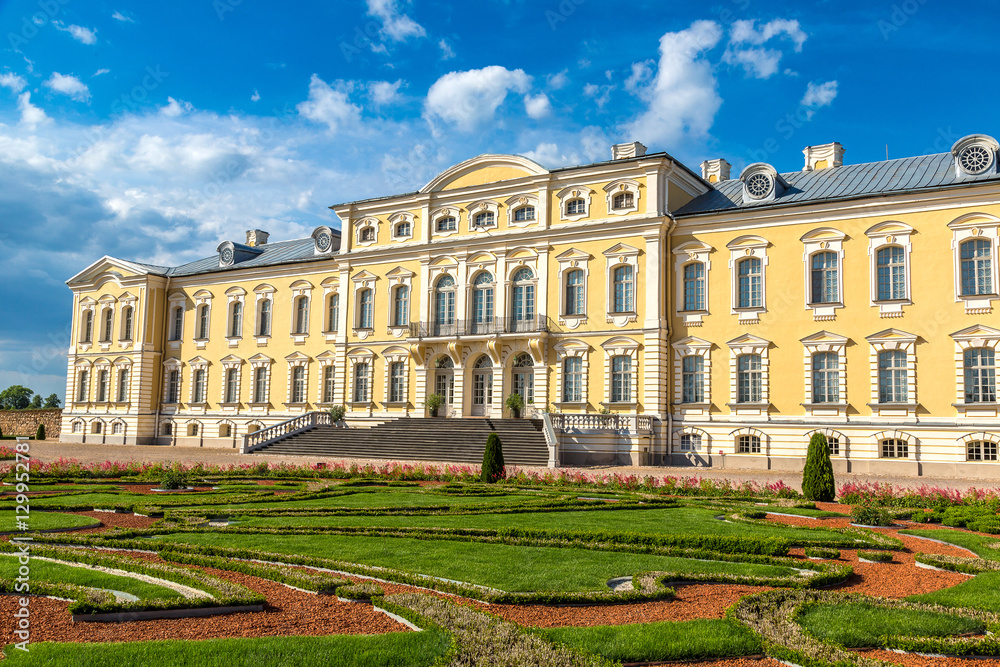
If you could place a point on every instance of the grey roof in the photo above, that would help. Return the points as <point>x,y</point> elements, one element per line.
<point>924,172</point>
<point>282,252</point>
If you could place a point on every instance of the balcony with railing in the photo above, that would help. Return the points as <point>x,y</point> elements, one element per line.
<point>482,327</point>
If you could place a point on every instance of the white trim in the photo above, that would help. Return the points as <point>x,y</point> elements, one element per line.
<point>688,347</point>
<point>566,349</point>
<point>395,220</point>
<point>741,248</point>
<point>479,207</point>
<point>817,343</point>
<point>570,260</point>
<point>518,202</point>
<point>624,347</point>
<point>620,254</point>
<point>684,254</point>
<point>894,339</point>
<point>884,234</point>
<point>965,228</point>
<point>622,186</point>
<point>574,192</point>
<point>743,345</point>
<point>823,239</point>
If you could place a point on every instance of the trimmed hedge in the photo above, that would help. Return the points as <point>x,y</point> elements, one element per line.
<point>876,556</point>
<point>317,582</point>
<point>822,552</point>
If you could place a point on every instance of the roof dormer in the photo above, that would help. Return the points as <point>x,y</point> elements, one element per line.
<point>761,184</point>
<point>233,253</point>
<point>975,155</point>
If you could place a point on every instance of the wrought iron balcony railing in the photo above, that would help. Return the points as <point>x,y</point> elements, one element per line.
<point>484,327</point>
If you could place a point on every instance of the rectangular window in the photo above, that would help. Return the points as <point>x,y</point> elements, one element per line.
<point>173,386</point>
<point>203,323</point>
<point>88,326</point>
<point>825,277</point>
<point>401,311</point>
<point>980,375</point>
<point>236,322</point>
<point>102,386</point>
<point>694,286</point>
<point>750,283</point>
<point>334,314</point>
<point>123,385</point>
<point>893,448</point>
<point>232,386</point>
<point>690,442</point>
<point>621,379</point>
<point>302,315</point>
<point>178,325</point>
<point>367,315</point>
<point>977,273</point>
<point>624,290</point>
<point>572,380</point>
<point>749,379</point>
<point>833,444</point>
<point>109,321</point>
<point>361,382</point>
<point>260,385</point>
<point>397,382</point>
<point>891,273</point>
<point>693,379</point>
<point>575,304</point>
<point>127,323</point>
<point>198,394</point>
<point>825,378</point>
<point>748,444</point>
<point>892,377</point>
<point>982,450</point>
<point>298,385</point>
<point>328,384</point>
<point>81,394</point>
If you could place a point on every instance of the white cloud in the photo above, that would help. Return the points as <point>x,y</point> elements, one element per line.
<point>67,84</point>
<point>819,95</point>
<point>447,53</point>
<point>642,74</point>
<point>31,116</point>
<point>175,108</point>
<point>255,97</point>
<point>383,93</point>
<point>601,94</point>
<point>590,145</point>
<point>395,25</point>
<point>78,32</point>
<point>118,16</point>
<point>537,106</point>
<point>469,99</point>
<point>681,99</point>
<point>13,81</point>
<point>746,45</point>
<point>328,105</point>
<point>557,81</point>
<point>103,70</point>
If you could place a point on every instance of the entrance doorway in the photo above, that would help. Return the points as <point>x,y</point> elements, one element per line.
<point>482,386</point>
<point>444,384</point>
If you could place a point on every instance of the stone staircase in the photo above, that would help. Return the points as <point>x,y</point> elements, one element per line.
<point>421,439</point>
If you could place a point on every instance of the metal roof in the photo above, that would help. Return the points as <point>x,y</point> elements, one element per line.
<point>924,172</point>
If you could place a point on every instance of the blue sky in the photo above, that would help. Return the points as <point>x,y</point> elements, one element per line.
<point>152,131</point>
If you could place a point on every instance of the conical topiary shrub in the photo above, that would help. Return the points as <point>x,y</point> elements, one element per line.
<point>817,476</point>
<point>493,465</point>
<point>40,433</point>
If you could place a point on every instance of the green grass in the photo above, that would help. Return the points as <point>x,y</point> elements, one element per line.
<point>388,650</point>
<point>43,520</point>
<point>508,568</point>
<point>980,592</point>
<point>670,521</point>
<point>800,511</point>
<point>977,544</point>
<point>858,624</point>
<point>646,642</point>
<point>408,498</point>
<point>58,573</point>
<point>37,487</point>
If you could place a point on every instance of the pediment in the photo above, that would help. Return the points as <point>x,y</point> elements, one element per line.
<point>748,340</point>
<point>824,337</point>
<point>889,227</point>
<point>231,359</point>
<point>113,269</point>
<point>297,356</point>
<point>260,358</point>
<point>747,241</point>
<point>573,254</point>
<point>892,335</point>
<point>823,234</point>
<point>363,276</point>
<point>484,169</point>
<point>977,331</point>
<point>400,272</point>
<point>621,249</point>
<point>692,341</point>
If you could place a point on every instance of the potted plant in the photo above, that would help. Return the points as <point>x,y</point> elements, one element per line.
<point>337,413</point>
<point>433,403</point>
<point>516,403</point>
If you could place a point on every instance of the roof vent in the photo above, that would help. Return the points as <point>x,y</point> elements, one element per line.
<point>716,170</point>
<point>256,237</point>
<point>625,151</point>
<point>823,156</point>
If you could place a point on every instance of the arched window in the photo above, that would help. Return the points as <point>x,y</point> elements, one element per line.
<point>178,327</point>
<point>891,270</point>
<point>225,431</point>
<point>750,283</point>
<point>572,380</point>
<point>623,200</point>
<point>397,381</point>
<point>524,214</point>
<point>825,278</point>
<point>484,219</point>
<point>366,309</point>
<point>260,385</point>
<point>894,448</point>
<point>102,386</point>
<point>523,303</point>
<point>621,379</point>
<point>980,375</point>
<point>302,315</point>
<point>127,312</point>
<point>329,385</point>
<point>401,306</point>
<point>444,305</point>
<point>977,272</point>
<point>109,323</point>
<point>203,321</point>
<point>117,428</point>
<point>575,293</point>
<point>232,386</point>
<point>236,320</point>
<point>624,289</point>
<point>84,387</point>
<point>482,303</point>
<point>892,376</point>
<point>483,362</point>
<point>361,382</point>
<point>748,444</point>
<point>173,386</point>
<point>694,286</point>
<point>333,312</point>
<point>402,229</point>
<point>576,207</point>
<point>981,450</point>
<point>264,320</point>
<point>749,379</point>
<point>198,391</point>
<point>88,326</point>
<point>298,385</point>
<point>123,385</point>
<point>447,224</point>
<point>825,377</point>
<point>524,377</point>
<point>693,379</point>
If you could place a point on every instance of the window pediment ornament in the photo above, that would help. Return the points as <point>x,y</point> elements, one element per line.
<point>483,215</point>
<point>625,192</point>
<point>366,231</point>
<point>570,193</point>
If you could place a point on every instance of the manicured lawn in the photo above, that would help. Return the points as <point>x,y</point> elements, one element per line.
<point>43,520</point>
<point>388,650</point>
<point>980,592</point>
<point>383,499</point>
<point>669,521</point>
<point>646,642</point>
<point>981,545</point>
<point>67,574</point>
<point>801,511</point>
<point>857,625</point>
<point>508,568</point>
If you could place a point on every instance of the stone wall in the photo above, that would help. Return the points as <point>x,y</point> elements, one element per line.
<point>25,422</point>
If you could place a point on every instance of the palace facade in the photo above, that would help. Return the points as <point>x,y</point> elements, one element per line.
<point>649,313</point>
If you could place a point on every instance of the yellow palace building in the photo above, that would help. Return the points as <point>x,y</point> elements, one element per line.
<point>645,312</point>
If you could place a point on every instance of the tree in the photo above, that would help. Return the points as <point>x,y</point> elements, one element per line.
<point>817,476</point>
<point>40,433</point>
<point>52,401</point>
<point>15,397</point>
<point>493,465</point>
<point>36,402</point>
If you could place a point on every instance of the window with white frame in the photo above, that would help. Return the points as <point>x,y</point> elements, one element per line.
<point>574,203</point>
<point>397,381</point>
<point>333,312</point>
<point>203,320</point>
<point>524,214</point>
<point>118,428</point>
<point>823,258</point>
<point>622,196</point>
<point>367,234</point>
<point>199,381</point>
<point>748,444</point>
<point>749,379</point>
<point>403,229</point>
<point>981,450</point>
<point>329,384</point>
<point>232,385</point>
<point>693,379</point>
<point>572,379</point>
<point>264,317</point>
<point>575,292</point>
<point>623,283</point>
<point>692,373</point>
<point>260,385</point>
<point>751,293</point>
<point>749,373</point>
<point>975,239</point>
<point>826,377</point>
<point>366,309</point>
<point>522,312</point>
<point>298,384</point>
<point>621,379</point>
<point>444,304</point>
<point>109,325</point>
<point>571,371</point>
<point>87,334</point>
<point>694,286</point>
<point>483,298</point>
<point>123,378</point>
<point>128,313</point>
<point>401,306</point>
<point>576,207</point>
<point>825,278</point>
<point>362,379</point>
<point>689,442</point>
<point>484,219</point>
<point>892,376</point>
<point>748,269</point>
<point>623,200</point>
<point>102,385</point>
<point>236,319</point>
<point>891,280</point>
<point>894,448</point>
<point>691,271</point>
<point>446,223</point>
<point>83,386</point>
<point>979,364</point>
<point>976,267</point>
<point>177,326</point>
<point>173,386</point>
<point>889,249</point>
<point>893,372</point>
<point>301,315</point>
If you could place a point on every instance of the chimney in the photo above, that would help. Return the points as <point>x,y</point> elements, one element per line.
<point>625,151</point>
<point>823,156</point>
<point>716,170</point>
<point>256,237</point>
